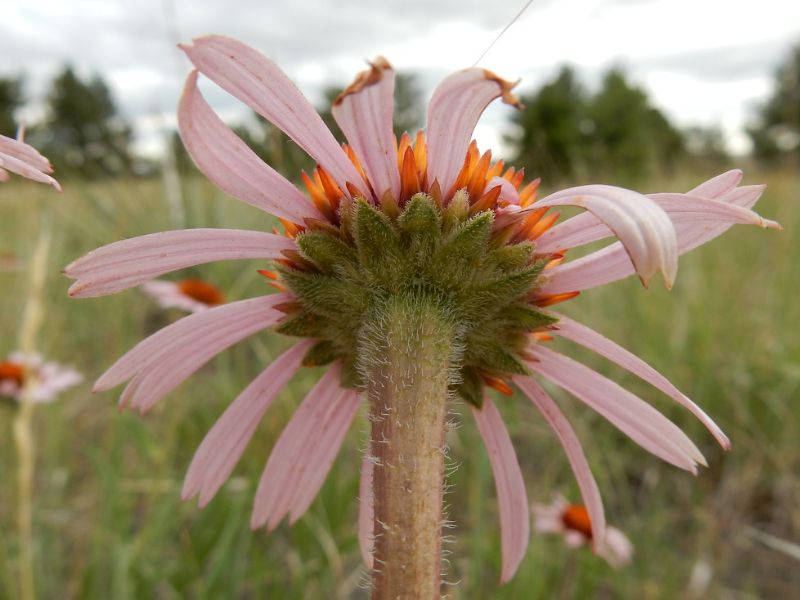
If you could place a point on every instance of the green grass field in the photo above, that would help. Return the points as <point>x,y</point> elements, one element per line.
<point>109,523</point>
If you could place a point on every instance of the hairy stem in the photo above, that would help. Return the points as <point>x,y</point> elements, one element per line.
<point>407,358</point>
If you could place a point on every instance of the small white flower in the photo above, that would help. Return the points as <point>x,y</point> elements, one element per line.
<point>573,523</point>
<point>47,379</point>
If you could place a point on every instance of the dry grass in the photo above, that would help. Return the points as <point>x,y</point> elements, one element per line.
<point>109,522</point>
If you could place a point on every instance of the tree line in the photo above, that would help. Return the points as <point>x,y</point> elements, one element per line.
<point>564,133</point>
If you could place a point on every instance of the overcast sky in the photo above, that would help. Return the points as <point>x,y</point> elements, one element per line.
<point>703,61</point>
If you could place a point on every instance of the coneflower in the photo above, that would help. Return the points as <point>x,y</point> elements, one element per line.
<point>192,295</point>
<point>573,523</point>
<point>419,271</point>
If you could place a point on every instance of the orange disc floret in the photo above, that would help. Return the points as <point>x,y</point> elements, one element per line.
<point>498,384</point>
<point>551,299</point>
<point>576,518</point>
<point>202,291</point>
<point>10,371</point>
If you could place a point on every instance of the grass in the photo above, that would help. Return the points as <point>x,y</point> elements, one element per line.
<point>109,523</point>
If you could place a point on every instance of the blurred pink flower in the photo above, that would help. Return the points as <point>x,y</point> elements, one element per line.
<point>23,159</point>
<point>572,521</point>
<point>48,378</point>
<point>652,231</point>
<point>191,295</point>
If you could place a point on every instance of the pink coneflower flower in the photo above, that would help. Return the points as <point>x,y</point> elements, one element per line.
<point>572,521</point>
<point>426,224</point>
<point>48,379</point>
<point>23,159</point>
<point>191,295</point>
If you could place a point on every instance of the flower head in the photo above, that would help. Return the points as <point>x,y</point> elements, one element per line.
<point>23,159</point>
<point>572,521</point>
<point>191,295</point>
<point>427,216</point>
<point>45,379</point>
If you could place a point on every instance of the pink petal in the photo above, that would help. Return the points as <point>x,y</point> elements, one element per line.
<point>366,511</point>
<point>644,229</point>
<point>612,263</point>
<point>165,359</point>
<point>512,499</point>
<point>618,550</point>
<point>688,208</point>
<point>4,176</point>
<point>691,235</point>
<point>304,453</point>
<point>24,152</point>
<point>721,184</point>
<point>20,167</point>
<point>325,453</point>
<point>572,448</point>
<point>259,83</point>
<point>630,414</point>
<point>575,231</point>
<point>224,444</point>
<point>592,340</point>
<point>130,262</point>
<point>685,208</point>
<point>453,112</point>
<point>230,163</point>
<point>364,112</point>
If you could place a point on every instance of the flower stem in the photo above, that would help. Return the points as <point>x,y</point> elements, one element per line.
<point>408,359</point>
<point>23,419</point>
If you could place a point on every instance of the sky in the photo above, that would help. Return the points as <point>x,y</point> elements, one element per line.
<point>703,62</point>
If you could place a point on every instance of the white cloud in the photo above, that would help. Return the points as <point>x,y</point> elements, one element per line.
<point>702,60</point>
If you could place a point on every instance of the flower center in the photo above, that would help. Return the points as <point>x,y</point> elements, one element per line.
<point>469,250</point>
<point>576,518</point>
<point>10,371</point>
<point>199,290</point>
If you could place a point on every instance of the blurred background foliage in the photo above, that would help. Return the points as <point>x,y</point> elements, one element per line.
<point>564,133</point>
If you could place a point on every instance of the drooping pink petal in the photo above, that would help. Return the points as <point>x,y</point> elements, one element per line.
<point>325,452</point>
<point>304,452</point>
<point>630,414</point>
<point>644,229</point>
<point>224,444</point>
<point>690,208</point>
<point>230,163</point>
<point>25,152</point>
<point>366,510</point>
<point>258,82</point>
<point>131,262</point>
<point>512,499</point>
<point>570,233</point>
<point>588,338</point>
<point>20,167</point>
<point>453,112</point>
<point>164,360</point>
<point>612,263</point>
<point>4,176</point>
<point>364,111</point>
<point>572,448</point>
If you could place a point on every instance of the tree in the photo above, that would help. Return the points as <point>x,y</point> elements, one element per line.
<point>10,100</point>
<point>553,128</point>
<point>84,133</point>
<point>631,139</point>
<point>776,132</point>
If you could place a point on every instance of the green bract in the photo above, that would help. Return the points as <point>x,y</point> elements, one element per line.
<point>448,258</point>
